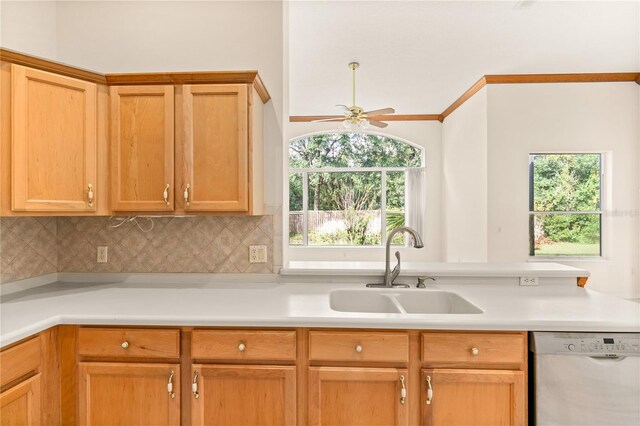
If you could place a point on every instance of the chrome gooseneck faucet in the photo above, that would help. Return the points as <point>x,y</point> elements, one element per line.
<point>389,275</point>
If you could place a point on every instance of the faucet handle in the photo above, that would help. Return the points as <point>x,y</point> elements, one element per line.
<point>396,270</point>
<point>422,281</point>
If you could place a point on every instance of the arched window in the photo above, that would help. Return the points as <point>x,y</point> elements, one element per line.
<point>345,188</point>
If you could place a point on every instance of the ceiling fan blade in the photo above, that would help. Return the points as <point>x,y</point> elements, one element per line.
<point>328,119</point>
<point>382,111</point>
<point>344,109</point>
<point>377,123</point>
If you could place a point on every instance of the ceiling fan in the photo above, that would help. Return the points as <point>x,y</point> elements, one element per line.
<point>356,118</point>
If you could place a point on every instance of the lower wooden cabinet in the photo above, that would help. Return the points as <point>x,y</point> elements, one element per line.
<point>357,396</point>
<point>20,405</point>
<point>473,397</point>
<point>118,394</point>
<point>243,395</point>
<point>116,376</point>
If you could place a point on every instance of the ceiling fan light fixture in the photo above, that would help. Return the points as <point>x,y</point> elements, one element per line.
<point>355,124</point>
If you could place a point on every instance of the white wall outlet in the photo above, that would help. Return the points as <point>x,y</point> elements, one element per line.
<point>103,254</point>
<point>528,280</point>
<point>257,254</point>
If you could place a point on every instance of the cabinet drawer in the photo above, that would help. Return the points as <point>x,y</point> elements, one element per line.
<point>507,350</point>
<point>128,343</point>
<point>19,360</point>
<point>358,346</point>
<point>243,345</point>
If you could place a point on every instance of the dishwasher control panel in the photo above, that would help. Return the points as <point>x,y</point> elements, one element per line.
<point>591,344</point>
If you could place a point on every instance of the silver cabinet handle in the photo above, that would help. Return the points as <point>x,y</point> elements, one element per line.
<point>194,385</point>
<point>403,391</point>
<point>475,351</point>
<point>242,347</point>
<point>90,195</point>
<point>186,195</point>
<point>358,348</point>
<point>165,195</point>
<point>124,345</point>
<point>429,391</point>
<point>170,386</point>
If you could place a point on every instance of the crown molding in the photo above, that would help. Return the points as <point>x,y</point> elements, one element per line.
<point>204,77</point>
<point>41,64</point>
<point>201,77</point>
<point>496,79</point>
<point>394,117</point>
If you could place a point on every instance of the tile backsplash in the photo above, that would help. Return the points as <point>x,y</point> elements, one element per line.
<point>35,246</point>
<point>28,247</point>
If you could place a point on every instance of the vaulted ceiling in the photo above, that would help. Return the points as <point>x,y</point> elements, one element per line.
<point>419,56</point>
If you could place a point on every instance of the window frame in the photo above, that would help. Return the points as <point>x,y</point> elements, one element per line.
<point>604,159</point>
<point>305,191</point>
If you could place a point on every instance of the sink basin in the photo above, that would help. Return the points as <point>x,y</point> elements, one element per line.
<point>394,301</point>
<point>363,301</point>
<point>436,302</point>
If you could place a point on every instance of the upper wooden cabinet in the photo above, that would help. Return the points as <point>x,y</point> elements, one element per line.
<point>76,142</point>
<point>216,157</point>
<point>219,149</point>
<point>53,142</point>
<point>142,134</point>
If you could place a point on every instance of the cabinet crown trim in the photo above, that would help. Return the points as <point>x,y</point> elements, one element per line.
<point>199,77</point>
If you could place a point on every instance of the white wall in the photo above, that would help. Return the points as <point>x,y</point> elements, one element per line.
<point>464,181</point>
<point>29,26</point>
<point>576,117</point>
<point>426,134</point>
<point>147,36</point>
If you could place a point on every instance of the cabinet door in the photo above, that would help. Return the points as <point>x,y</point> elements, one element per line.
<point>53,142</point>
<point>244,395</point>
<point>20,405</point>
<point>357,396</point>
<point>115,394</point>
<point>142,148</point>
<point>215,165</point>
<point>473,397</point>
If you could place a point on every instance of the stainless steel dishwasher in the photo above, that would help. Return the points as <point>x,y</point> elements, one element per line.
<point>586,378</point>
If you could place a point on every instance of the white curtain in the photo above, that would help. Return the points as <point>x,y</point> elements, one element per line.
<point>415,199</point>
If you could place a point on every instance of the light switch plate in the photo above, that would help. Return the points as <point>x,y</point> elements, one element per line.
<point>103,254</point>
<point>257,254</point>
<point>528,280</point>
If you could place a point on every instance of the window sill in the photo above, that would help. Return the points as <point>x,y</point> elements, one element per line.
<point>568,259</point>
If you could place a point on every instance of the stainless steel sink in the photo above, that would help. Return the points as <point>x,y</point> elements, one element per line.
<point>394,301</point>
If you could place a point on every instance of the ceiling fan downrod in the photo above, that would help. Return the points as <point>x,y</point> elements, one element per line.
<point>353,66</point>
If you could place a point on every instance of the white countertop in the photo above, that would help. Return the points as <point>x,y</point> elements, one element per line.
<point>439,269</point>
<point>179,299</point>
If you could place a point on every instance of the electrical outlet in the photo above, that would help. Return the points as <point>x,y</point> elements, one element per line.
<point>103,254</point>
<point>257,254</point>
<point>528,280</point>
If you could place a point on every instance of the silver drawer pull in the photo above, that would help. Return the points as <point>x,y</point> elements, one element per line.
<point>194,385</point>
<point>358,348</point>
<point>124,345</point>
<point>186,195</point>
<point>170,386</point>
<point>90,195</point>
<point>242,347</point>
<point>403,391</point>
<point>475,351</point>
<point>429,391</point>
<point>165,195</point>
